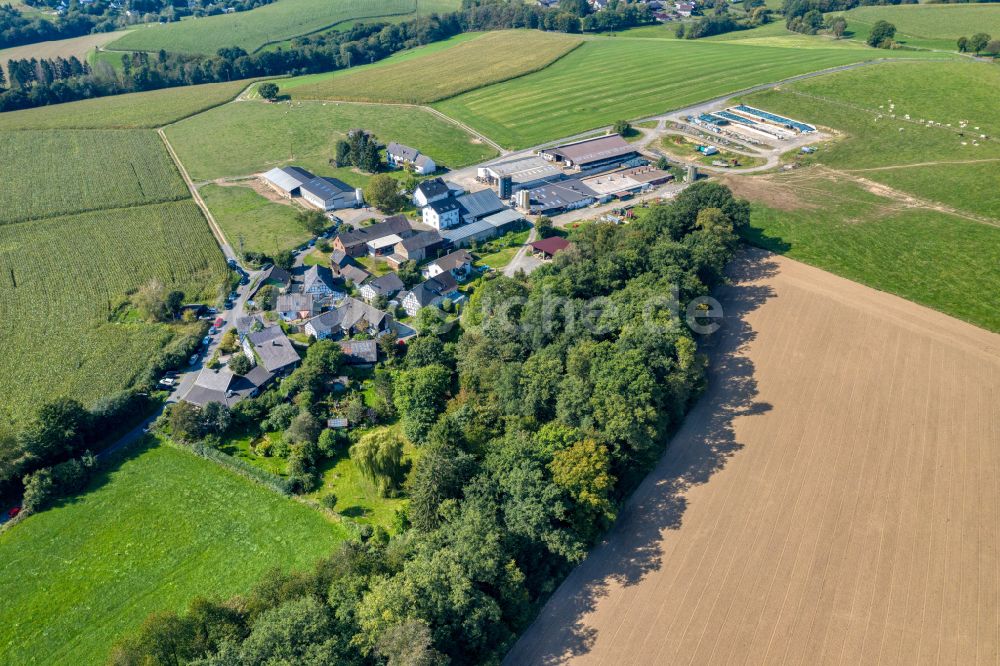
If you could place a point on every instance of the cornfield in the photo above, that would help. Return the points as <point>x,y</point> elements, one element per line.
<point>61,278</point>
<point>60,172</point>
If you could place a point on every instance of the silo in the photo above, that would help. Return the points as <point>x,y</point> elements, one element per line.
<point>505,187</point>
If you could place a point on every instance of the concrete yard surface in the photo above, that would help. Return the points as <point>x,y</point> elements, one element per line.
<point>832,499</point>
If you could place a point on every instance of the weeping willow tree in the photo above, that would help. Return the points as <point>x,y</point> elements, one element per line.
<point>379,457</point>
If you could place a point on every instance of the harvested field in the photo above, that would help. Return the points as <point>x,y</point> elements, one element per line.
<point>80,47</point>
<point>833,498</point>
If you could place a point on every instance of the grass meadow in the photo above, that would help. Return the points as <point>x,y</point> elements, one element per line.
<point>607,79</point>
<point>250,137</point>
<point>942,261</point>
<point>927,26</point>
<point>943,162</point>
<point>62,278</point>
<point>134,110</point>
<point>253,29</point>
<point>265,226</point>
<point>155,531</point>
<point>434,75</point>
<point>57,172</point>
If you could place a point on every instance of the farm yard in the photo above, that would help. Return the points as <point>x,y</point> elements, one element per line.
<point>158,529</point>
<point>71,273</point>
<point>253,29</point>
<point>929,26</point>
<point>58,172</point>
<point>429,77</point>
<point>134,110</point>
<point>265,226</point>
<point>251,136</point>
<point>607,79</point>
<point>831,499</point>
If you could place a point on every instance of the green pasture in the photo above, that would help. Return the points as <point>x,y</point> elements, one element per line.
<point>608,79</point>
<point>942,261</point>
<point>143,109</point>
<point>881,116</point>
<point>154,531</point>
<point>930,26</point>
<point>265,226</point>
<point>253,136</point>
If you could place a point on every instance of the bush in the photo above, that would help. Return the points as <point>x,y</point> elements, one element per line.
<point>240,364</point>
<point>329,501</point>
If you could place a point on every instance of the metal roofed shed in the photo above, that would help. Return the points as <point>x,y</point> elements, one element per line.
<point>288,180</point>
<point>582,154</point>
<point>562,196</point>
<point>480,204</point>
<point>523,171</point>
<point>467,233</point>
<point>504,218</point>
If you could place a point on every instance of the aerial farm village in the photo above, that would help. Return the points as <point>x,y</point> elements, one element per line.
<point>523,332</point>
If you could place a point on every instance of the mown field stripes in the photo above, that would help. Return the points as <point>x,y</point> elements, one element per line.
<point>606,80</point>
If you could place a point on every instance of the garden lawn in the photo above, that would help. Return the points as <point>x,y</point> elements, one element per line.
<point>62,278</point>
<point>500,251</point>
<point>940,162</point>
<point>609,79</point>
<point>250,30</point>
<point>437,74</point>
<point>251,137</point>
<point>942,261</point>
<point>264,226</point>
<point>156,531</point>
<point>927,26</point>
<point>142,109</point>
<point>356,497</point>
<point>57,172</point>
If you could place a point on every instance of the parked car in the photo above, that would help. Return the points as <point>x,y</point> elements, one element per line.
<point>193,359</point>
<point>13,512</point>
<point>219,323</point>
<point>233,263</point>
<point>212,311</point>
<point>207,340</point>
<point>244,280</point>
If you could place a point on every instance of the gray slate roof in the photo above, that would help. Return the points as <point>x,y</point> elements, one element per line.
<point>387,284</point>
<point>421,240</point>
<point>402,152</point>
<point>274,348</point>
<point>434,187</point>
<point>453,260</point>
<point>397,224</point>
<point>433,288</point>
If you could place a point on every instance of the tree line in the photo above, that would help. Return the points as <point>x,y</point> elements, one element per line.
<point>341,49</point>
<point>535,425</point>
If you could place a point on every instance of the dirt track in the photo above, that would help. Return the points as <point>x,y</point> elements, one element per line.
<point>834,498</point>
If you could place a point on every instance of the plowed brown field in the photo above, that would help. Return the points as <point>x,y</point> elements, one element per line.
<point>833,499</point>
